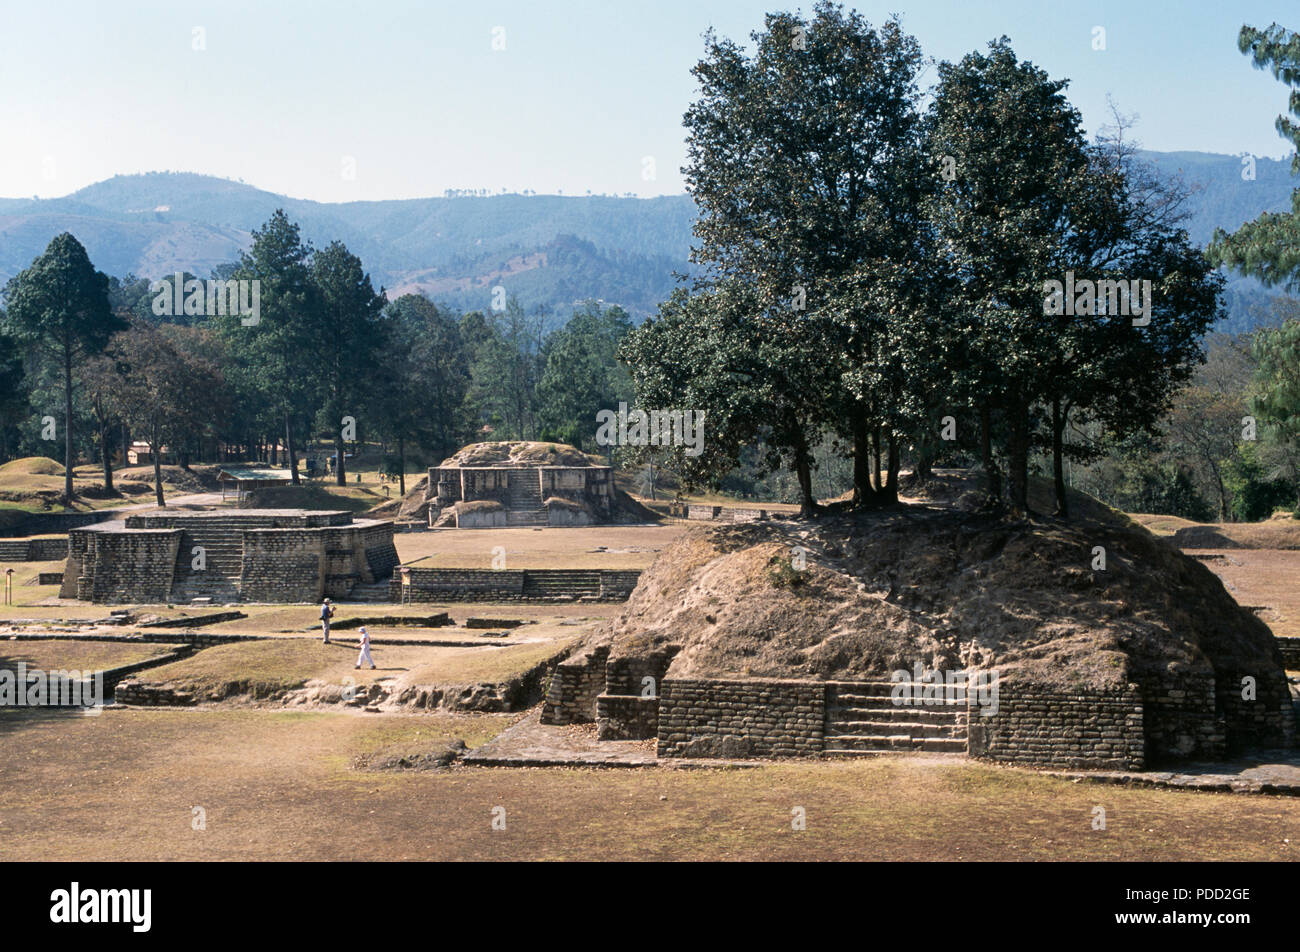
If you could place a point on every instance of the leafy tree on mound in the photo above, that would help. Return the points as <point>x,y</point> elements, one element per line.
<point>804,163</point>
<point>58,309</point>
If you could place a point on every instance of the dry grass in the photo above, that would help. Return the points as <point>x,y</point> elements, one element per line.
<point>278,786</point>
<point>1262,578</point>
<point>626,547</point>
<point>269,668</point>
<point>62,653</point>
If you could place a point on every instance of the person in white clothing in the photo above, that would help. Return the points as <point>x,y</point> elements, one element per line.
<point>365,650</point>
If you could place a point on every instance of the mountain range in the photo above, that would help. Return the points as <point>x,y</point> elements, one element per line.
<point>548,251</point>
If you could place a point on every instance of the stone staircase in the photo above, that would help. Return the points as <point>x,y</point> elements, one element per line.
<point>371,592</point>
<point>224,552</point>
<point>560,583</point>
<point>525,501</point>
<point>863,720</point>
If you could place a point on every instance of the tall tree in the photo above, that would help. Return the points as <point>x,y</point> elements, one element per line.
<point>803,159</point>
<point>347,342</point>
<point>1268,248</point>
<point>60,305</point>
<point>275,355</point>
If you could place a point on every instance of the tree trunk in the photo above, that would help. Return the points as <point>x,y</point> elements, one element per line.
<point>1058,459</point>
<point>340,478</point>
<point>1019,462</point>
<point>289,450</point>
<point>105,452</point>
<point>401,464</point>
<point>986,452</point>
<point>875,460</point>
<point>67,425</point>
<point>864,493</point>
<point>891,476</point>
<point>155,445</point>
<point>803,470</point>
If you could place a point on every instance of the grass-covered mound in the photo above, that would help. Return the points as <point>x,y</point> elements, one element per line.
<point>519,453</point>
<point>946,588</point>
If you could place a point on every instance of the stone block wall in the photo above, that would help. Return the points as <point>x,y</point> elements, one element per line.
<point>33,550</point>
<point>47,550</point>
<point>376,542</point>
<point>129,566</point>
<point>1290,650</point>
<point>617,585</point>
<point>1037,726</point>
<point>719,718</point>
<point>575,685</point>
<point>1266,720</point>
<point>435,585</point>
<point>482,519</point>
<point>283,565</point>
<point>1181,718</point>
<point>624,717</point>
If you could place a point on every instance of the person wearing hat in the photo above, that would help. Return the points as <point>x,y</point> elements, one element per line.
<point>326,613</point>
<point>365,649</point>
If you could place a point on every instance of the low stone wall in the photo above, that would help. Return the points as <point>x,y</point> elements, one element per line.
<point>718,718</point>
<point>33,550</point>
<point>1290,649</point>
<point>617,585</point>
<point>575,685</point>
<point>482,519</point>
<point>437,585</point>
<point>49,578</point>
<point>1037,726</point>
<point>1180,717</point>
<point>626,717</point>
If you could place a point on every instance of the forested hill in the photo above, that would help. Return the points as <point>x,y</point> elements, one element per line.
<point>547,250</point>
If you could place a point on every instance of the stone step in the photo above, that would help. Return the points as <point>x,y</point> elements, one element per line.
<point>891,713</point>
<point>892,729</point>
<point>895,742</point>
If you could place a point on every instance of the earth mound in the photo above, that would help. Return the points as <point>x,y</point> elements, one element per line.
<point>860,596</point>
<point>31,466</point>
<point>519,453</point>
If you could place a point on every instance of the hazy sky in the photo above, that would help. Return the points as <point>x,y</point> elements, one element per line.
<point>284,94</point>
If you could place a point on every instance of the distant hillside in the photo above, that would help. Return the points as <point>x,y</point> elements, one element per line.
<point>549,251</point>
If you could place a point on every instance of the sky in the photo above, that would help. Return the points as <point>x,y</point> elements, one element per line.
<point>339,101</point>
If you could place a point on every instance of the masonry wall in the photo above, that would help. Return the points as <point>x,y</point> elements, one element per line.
<point>380,550</point>
<point>33,550</point>
<point>625,717</point>
<point>434,585</point>
<point>1037,726</point>
<point>129,567</point>
<point>1266,720</point>
<point>1181,717</point>
<point>575,685</point>
<point>283,565</point>
<point>1290,650</point>
<point>719,718</point>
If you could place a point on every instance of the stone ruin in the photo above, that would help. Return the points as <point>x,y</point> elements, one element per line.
<point>231,555</point>
<point>495,485</point>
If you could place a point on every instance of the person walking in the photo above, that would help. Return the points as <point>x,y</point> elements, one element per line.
<point>365,650</point>
<point>326,613</point>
